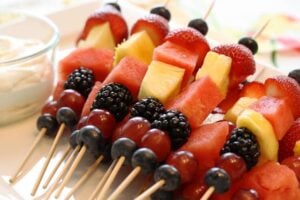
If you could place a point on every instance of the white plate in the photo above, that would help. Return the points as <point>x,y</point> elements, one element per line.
<point>15,139</point>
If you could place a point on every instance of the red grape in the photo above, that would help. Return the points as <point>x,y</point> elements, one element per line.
<point>135,128</point>
<point>293,163</point>
<point>244,194</point>
<point>233,164</point>
<point>72,99</point>
<point>185,162</point>
<point>103,120</point>
<point>194,190</point>
<point>159,142</point>
<point>82,122</point>
<point>51,108</point>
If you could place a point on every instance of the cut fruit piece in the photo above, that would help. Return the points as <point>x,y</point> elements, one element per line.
<point>263,131</point>
<point>217,67</point>
<point>253,89</point>
<point>156,26</point>
<point>272,181</point>
<point>277,112</point>
<point>162,81</point>
<point>98,60</point>
<point>198,100</point>
<point>243,103</point>
<point>129,72</point>
<point>89,101</point>
<point>177,55</point>
<point>231,98</point>
<point>206,143</point>
<point>296,149</point>
<point>139,46</point>
<point>100,36</point>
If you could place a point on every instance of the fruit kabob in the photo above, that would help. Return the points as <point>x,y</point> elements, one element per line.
<point>114,76</point>
<point>65,99</point>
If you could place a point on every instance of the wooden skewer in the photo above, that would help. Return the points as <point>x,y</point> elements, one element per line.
<point>111,178</point>
<point>28,154</point>
<point>63,172</point>
<point>85,176</point>
<point>150,190</point>
<point>208,193</point>
<point>49,156</point>
<point>71,170</point>
<point>65,154</point>
<point>209,9</point>
<point>258,33</point>
<point>125,183</point>
<point>103,180</point>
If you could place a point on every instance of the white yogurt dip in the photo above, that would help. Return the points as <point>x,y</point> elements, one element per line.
<point>24,85</point>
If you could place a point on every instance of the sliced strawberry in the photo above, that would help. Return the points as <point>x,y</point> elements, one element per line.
<point>284,87</point>
<point>190,39</point>
<point>107,14</point>
<point>156,26</point>
<point>254,90</point>
<point>243,63</point>
<point>286,145</point>
<point>232,96</point>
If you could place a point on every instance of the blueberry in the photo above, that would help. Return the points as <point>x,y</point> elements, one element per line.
<point>145,158</point>
<point>162,195</point>
<point>115,5</point>
<point>250,43</point>
<point>106,152</point>
<point>217,178</point>
<point>49,122</point>
<point>171,176</point>
<point>123,147</point>
<point>67,116</point>
<point>73,140</point>
<point>200,25</point>
<point>295,74</point>
<point>92,138</point>
<point>161,11</point>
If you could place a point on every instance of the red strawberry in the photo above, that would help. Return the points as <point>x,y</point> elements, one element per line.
<point>191,39</point>
<point>231,97</point>
<point>156,26</point>
<point>243,63</point>
<point>284,87</point>
<point>253,89</point>
<point>286,145</point>
<point>107,14</point>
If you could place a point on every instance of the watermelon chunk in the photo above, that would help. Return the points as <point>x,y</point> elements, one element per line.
<point>198,100</point>
<point>89,101</point>
<point>179,56</point>
<point>277,112</point>
<point>129,72</point>
<point>58,89</point>
<point>206,142</point>
<point>272,181</point>
<point>98,60</point>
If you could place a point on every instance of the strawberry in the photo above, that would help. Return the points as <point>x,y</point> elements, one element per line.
<point>243,63</point>
<point>286,145</point>
<point>231,97</point>
<point>190,39</point>
<point>156,26</point>
<point>107,14</point>
<point>254,90</point>
<point>287,88</point>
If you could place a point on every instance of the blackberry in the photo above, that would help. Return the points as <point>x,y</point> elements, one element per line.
<point>114,98</point>
<point>243,143</point>
<point>81,80</point>
<point>176,125</point>
<point>148,108</point>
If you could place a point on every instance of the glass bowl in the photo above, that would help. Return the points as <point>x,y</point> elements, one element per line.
<point>27,49</point>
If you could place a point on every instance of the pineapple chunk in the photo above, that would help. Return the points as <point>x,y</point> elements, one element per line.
<point>100,36</point>
<point>162,81</point>
<point>139,45</point>
<point>297,148</point>
<point>263,131</point>
<point>243,103</point>
<point>217,66</point>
